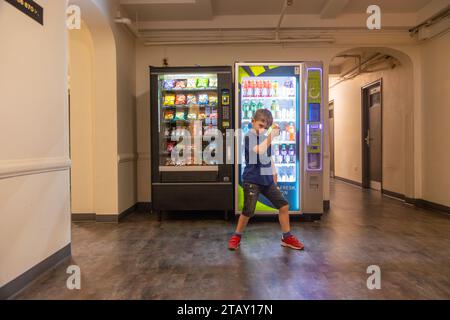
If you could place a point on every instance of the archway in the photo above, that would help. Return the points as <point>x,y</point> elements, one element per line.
<point>94,122</point>
<point>398,127</point>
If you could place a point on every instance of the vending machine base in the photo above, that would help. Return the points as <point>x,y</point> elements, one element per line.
<point>192,197</point>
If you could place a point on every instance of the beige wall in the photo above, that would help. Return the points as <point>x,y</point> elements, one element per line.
<point>396,106</point>
<point>113,114</point>
<point>126,106</point>
<point>436,118</point>
<point>34,154</point>
<point>126,117</point>
<point>81,56</point>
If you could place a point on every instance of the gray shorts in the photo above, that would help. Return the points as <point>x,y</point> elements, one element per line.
<point>251,194</point>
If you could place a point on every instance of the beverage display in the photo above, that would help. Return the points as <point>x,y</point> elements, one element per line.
<point>293,93</point>
<point>276,92</point>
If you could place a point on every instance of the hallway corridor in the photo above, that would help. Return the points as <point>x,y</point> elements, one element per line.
<point>187,257</point>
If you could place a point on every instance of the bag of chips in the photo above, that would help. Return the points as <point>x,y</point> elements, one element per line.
<point>213,99</point>
<point>170,146</point>
<point>191,83</point>
<point>168,115</point>
<point>202,115</point>
<point>169,99</point>
<point>168,84</point>
<point>192,116</point>
<point>213,83</point>
<point>202,82</point>
<point>213,115</point>
<point>203,99</point>
<point>180,115</point>
<point>181,99</point>
<point>191,99</point>
<point>180,84</point>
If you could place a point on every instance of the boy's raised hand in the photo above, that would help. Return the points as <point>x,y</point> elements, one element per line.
<point>275,131</point>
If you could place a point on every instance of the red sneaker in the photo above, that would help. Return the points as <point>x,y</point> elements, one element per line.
<point>292,242</point>
<point>234,242</point>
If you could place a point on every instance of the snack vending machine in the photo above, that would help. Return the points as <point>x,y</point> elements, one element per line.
<point>191,121</point>
<point>293,93</point>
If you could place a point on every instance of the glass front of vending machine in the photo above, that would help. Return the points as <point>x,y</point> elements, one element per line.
<point>297,152</point>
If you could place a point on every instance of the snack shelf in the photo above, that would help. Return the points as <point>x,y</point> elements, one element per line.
<point>190,106</point>
<point>285,164</point>
<point>189,90</point>
<point>268,98</point>
<point>283,141</point>
<point>274,120</point>
<point>182,120</point>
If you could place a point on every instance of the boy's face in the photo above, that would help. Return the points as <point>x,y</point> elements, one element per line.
<point>260,126</point>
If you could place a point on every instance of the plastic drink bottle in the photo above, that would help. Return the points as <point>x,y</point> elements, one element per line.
<point>260,88</point>
<point>275,89</point>
<point>245,88</point>
<point>266,89</point>
<point>251,88</point>
<point>277,152</point>
<point>284,153</point>
<point>245,106</point>
<point>252,109</point>
<point>273,107</point>
<point>291,130</point>
<point>291,154</point>
<point>260,105</point>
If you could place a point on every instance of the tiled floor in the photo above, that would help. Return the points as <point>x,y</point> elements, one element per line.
<point>185,257</point>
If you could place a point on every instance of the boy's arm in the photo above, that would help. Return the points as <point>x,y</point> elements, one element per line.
<point>263,146</point>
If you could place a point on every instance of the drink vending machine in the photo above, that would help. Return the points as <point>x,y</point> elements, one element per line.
<point>293,92</point>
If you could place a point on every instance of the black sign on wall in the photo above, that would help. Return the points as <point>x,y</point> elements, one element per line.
<point>30,8</point>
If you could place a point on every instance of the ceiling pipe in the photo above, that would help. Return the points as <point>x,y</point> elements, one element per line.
<point>443,14</point>
<point>127,23</point>
<point>357,56</point>
<point>215,42</point>
<point>286,4</point>
<point>351,73</point>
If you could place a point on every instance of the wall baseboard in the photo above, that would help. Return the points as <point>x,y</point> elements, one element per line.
<point>83,217</point>
<point>103,218</point>
<point>424,204</point>
<point>15,286</point>
<point>144,206</point>
<point>359,184</point>
<point>326,205</point>
<point>127,212</point>
<point>394,194</point>
<point>420,203</point>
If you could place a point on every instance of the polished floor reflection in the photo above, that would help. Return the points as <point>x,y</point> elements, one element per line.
<point>185,256</point>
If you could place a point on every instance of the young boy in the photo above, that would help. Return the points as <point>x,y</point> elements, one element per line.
<point>260,177</point>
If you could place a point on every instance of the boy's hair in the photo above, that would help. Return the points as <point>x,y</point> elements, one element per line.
<point>265,116</point>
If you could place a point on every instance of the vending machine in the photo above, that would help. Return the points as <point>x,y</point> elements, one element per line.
<point>191,115</point>
<point>293,92</point>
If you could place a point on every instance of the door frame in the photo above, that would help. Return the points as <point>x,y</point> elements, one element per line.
<point>364,127</point>
<point>332,147</point>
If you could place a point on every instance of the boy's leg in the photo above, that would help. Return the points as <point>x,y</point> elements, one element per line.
<point>283,217</point>
<point>251,193</point>
<point>276,197</point>
<point>242,223</point>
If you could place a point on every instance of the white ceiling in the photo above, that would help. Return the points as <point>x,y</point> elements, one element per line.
<point>171,10</point>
